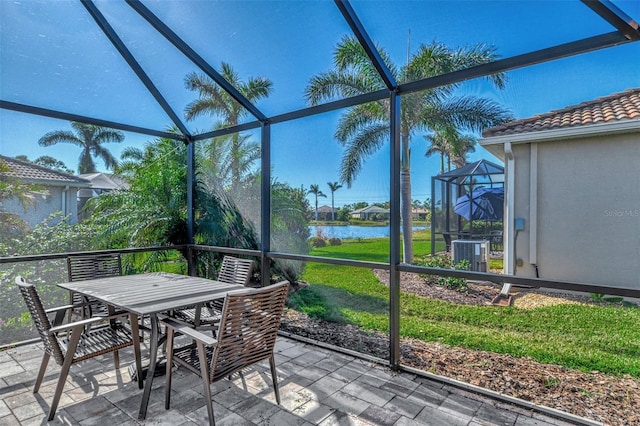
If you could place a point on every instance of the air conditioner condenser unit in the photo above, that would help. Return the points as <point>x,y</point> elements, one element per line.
<point>476,252</point>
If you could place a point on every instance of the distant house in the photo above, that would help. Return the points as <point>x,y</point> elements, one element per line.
<point>60,191</point>
<point>572,192</point>
<point>100,183</point>
<point>419,213</point>
<point>371,213</point>
<point>324,213</point>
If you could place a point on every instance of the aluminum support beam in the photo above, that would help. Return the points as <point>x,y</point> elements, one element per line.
<point>228,130</point>
<point>43,112</point>
<point>539,56</point>
<point>191,205</point>
<point>519,61</point>
<point>369,47</point>
<point>186,50</point>
<point>394,231</point>
<point>331,106</point>
<point>301,113</point>
<point>133,64</point>
<point>433,216</point>
<point>265,202</point>
<point>616,17</point>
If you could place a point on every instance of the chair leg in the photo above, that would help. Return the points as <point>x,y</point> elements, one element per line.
<point>274,377</point>
<point>204,374</point>
<point>43,368</point>
<point>70,315</point>
<point>135,334</point>
<point>167,388</point>
<point>64,371</point>
<point>198,314</point>
<point>116,359</point>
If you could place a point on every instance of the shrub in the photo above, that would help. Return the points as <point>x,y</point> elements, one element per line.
<point>445,262</point>
<point>317,242</point>
<point>335,241</point>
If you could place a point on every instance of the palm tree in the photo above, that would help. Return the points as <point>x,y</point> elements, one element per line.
<point>462,146</point>
<point>438,144</point>
<point>315,190</point>
<point>228,160</point>
<point>452,145</point>
<point>333,186</point>
<point>90,138</point>
<point>364,128</point>
<point>214,100</point>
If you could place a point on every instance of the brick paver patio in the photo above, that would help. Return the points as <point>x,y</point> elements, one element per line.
<point>318,387</point>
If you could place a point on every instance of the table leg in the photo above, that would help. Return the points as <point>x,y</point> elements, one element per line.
<point>153,355</point>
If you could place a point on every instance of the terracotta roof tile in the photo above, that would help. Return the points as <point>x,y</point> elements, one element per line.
<point>616,107</point>
<point>34,173</point>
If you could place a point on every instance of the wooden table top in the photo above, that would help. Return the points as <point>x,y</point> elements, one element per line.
<point>145,294</point>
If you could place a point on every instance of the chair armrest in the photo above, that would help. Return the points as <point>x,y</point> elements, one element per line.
<point>60,312</point>
<point>84,322</point>
<point>64,308</point>
<point>188,331</point>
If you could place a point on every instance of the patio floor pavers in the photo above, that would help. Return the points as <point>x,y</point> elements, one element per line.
<point>317,387</point>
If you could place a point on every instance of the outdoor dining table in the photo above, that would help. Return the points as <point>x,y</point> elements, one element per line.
<point>151,294</point>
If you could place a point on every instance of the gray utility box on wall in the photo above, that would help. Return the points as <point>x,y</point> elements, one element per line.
<point>476,252</point>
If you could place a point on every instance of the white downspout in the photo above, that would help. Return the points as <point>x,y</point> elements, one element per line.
<point>64,201</point>
<point>509,232</point>
<point>533,207</point>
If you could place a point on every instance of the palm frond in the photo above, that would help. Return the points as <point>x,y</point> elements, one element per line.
<point>475,114</point>
<point>201,83</point>
<point>429,61</point>
<point>337,85</point>
<point>360,117</point>
<point>228,73</point>
<point>479,54</point>
<point>351,57</point>
<point>212,99</point>
<point>52,138</point>
<point>257,88</point>
<point>358,149</point>
<point>110,161</point>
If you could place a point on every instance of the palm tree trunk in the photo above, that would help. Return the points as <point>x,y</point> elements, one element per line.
<point>235,162</point>
<point>405,213</point>
<point>333,213</point>
<point>405,199</point>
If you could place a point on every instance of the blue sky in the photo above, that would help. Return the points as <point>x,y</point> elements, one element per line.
<point>52,55</point>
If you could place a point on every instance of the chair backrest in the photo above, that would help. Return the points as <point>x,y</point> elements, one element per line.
<point>94,266</point>
<point>248,328</point>
<point>235,270</point>
<point>40,319</point>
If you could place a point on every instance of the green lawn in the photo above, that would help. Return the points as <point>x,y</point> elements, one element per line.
<point>588,338</point>
<point>376,249</point>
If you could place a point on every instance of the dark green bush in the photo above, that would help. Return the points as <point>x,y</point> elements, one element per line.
<point>445,262</point>
<point>317,242</point>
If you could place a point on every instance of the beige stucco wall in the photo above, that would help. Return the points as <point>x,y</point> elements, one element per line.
<point>44,205</point>
<point>588,210</point>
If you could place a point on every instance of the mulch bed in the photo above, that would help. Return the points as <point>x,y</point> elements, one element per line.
<point>596,396</point>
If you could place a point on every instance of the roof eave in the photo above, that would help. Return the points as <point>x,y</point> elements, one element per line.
<point>48,182</point>
<point>492,143</point>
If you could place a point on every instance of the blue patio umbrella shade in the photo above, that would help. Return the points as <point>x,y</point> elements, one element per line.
<point>481,204</point>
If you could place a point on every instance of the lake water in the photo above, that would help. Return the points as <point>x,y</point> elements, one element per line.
<point>351,231</point>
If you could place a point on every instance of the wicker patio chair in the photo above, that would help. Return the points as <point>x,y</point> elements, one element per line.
<point>233,271</point>
<point>71,343</point>
<point>89,267</point>
<point>246,335</point>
